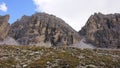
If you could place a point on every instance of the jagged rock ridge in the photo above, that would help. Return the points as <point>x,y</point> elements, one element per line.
<point>103,30</point>
<point>4,27</point>
<point>43,28</point>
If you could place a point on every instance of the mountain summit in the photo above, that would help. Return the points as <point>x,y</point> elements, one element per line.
<point>102,30</point>
<point>43,29</point>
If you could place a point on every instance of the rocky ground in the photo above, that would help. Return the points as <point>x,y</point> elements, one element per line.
<point>57,57</point>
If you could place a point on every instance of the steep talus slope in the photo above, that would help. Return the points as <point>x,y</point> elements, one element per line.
<point>4,27</point>
<point>103,30</point>
<point>43,28</point>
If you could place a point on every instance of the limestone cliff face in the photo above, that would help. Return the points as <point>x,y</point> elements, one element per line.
<point>103,30</point>
<point>4,27</point>
<point>43,28</point>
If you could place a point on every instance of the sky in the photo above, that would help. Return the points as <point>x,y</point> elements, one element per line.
<point>73,12</point>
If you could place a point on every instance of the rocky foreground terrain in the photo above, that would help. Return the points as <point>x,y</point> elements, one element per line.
<point>57,57</point>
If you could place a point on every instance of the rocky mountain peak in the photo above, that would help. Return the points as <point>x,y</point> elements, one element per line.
<point>42,28</point>
<point>103,30</point>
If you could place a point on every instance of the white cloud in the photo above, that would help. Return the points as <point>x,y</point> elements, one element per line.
<point>3,7</point>
<point>76,12</point>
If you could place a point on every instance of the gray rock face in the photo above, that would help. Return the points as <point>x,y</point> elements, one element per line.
<point>103,30</point>
<point>43,28</point>
<point>4,27</point>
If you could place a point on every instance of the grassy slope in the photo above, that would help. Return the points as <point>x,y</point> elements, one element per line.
<point>57,57</point>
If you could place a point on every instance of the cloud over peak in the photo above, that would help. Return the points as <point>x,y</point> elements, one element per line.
<point>76,12</point>
<point>3,7</point>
